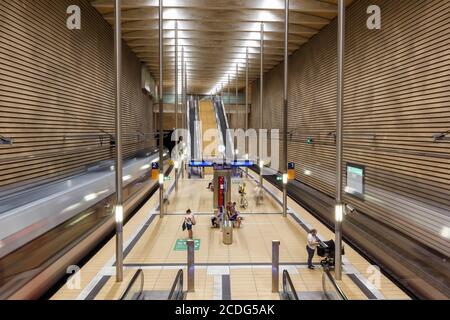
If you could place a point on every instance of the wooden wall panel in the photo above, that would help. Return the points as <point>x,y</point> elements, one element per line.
<point>397,96</point>
<point>168,121</point>
<point>57,92</point>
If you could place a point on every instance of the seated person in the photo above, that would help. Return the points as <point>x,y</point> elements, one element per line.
<point>216,219</point>
<point>234,216</point>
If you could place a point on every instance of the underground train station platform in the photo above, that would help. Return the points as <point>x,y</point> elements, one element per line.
<point>178,159</point>
<point>240,271</point>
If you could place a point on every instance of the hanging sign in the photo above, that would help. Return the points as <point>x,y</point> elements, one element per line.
<point>291,171</point>
<point>155,171</point>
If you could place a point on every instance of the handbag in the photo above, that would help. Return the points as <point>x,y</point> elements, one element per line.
<point>183,226</point>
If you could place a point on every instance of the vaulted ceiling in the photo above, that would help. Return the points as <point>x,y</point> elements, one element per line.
<point>215,35</point>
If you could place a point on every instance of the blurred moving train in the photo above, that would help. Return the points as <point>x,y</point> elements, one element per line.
<point>46,229</point>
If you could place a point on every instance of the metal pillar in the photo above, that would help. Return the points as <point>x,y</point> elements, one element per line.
<point>185,168</point>
<point>236,102</point>
<point>161,112</point>
<point>275,266</point>
<point>182,88</point>
<point>229,101</point>
<point>186,93</point>
<point>183,115</point>
<point>190,265</point>
<point>119,164</point>
<point>339,140</point>
<point>246,107</point>
<point>261,94</point>
<point>176,104</point>
<point>285,106</point>
<point>176,75</point>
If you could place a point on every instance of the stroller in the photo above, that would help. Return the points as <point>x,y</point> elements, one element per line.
<point>327,251</point>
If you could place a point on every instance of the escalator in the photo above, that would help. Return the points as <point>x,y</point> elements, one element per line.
<point>210,134</point>
<point>331,290</point>
<point>222,124</point>
<point>136,291</point>
<point>289,292</point>
<point>194,141</point>
<point>177,291</point>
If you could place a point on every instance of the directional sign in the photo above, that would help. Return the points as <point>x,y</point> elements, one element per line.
<point>203,164</point>
<point>155,171</point>
<point>242,163</point>
<point>291,171</point>
<point>181,245</point>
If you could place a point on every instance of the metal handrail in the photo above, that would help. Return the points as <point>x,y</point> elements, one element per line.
<point>139,274</point>
<point>219,129</point>
<point>177,288</point>
<point>327,275</point>
<point>288,286</point>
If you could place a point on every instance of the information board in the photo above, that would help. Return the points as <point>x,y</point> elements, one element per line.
<point>355,180</point>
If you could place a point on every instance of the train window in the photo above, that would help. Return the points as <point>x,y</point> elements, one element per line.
<point>355,180</point>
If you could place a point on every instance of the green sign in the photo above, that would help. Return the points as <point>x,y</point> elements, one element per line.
<point>167,178</point>
<point>279,178</point>
<point>181,245</point>
<point>310,141</point>
<point>357,171</point>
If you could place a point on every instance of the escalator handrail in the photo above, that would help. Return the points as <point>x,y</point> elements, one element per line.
<point>197,134</point>
<point>139,274</point>
<point>327,274</point>
<point>178,283</point>
<point>218,122</point>
<point>228,138</point>
<point>287,281</point>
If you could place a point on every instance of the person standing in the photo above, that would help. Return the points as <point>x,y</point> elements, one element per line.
<point>189,222</point>
<point>311,247</point>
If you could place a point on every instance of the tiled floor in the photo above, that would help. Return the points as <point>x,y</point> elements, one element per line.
<point>243,260</point>
<point>194,195</point>
<point>252,243</point>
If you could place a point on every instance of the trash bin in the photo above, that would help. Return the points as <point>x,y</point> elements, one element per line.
<point>227,232</point>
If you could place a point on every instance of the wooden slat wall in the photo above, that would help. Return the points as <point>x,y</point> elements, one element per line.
<point>57,85</point>
<point>168,120</point>
<point>398,89</point>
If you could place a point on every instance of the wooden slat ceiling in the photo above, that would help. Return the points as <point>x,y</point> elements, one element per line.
<point>215,35</point>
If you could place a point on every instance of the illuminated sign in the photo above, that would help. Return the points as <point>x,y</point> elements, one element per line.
<point>155,171</point>
<point>201,164</point>
<point>291,171</point>
<point>242,163</point>
<point>355,180</point>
